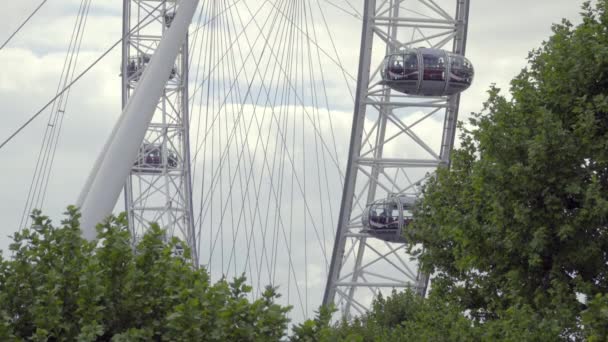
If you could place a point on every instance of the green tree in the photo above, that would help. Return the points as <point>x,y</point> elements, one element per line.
<point>399,317</point>
<point>519,222</point>
<point>58,286</point>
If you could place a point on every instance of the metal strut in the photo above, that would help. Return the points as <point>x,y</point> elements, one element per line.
<point>388,155</point>
<point>122,148</point>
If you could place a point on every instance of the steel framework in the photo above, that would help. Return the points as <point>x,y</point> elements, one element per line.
<point>397,141</point>
<point>158,188</point>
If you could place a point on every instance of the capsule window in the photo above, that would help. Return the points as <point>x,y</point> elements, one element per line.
<point>384,216</point>
<point>434,67</point>
<point>396,67</point>
<point>411,67</point>
<point>461,70</point>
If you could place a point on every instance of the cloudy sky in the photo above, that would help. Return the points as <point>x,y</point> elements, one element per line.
<point>500,35</point>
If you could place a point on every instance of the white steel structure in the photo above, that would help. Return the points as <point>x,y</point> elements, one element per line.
<point>158,188</point>
<point>148,120</point>
<point>264,90</point>
<point>397,142</point>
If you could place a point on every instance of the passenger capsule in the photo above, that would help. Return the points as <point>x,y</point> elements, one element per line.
<point>386,219</point>
<point>136,66</point>
<point>427,72</point>
<point>150,159</point>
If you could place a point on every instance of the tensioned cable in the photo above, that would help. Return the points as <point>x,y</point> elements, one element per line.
<point>62,106</point>
<point>316,116</point>
<point>254,140</point>
<point>245,195</point>
<point>64,90</point>
<point>53,129</point>
<point>354,14</point>
<point>308,116</point>
<point>208,131</point>
<point>264,146</point>
<point>240,115</point>
<point>301,101</point>
<point>23,24</point>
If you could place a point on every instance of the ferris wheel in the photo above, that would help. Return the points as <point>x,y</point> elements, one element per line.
<point>238,136</point>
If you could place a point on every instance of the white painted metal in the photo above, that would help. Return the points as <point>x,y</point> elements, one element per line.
<point>106,180</point>
<point>159,188</point>
<point>397,141</point>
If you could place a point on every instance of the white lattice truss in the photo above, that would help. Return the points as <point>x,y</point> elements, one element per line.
<point>397,142</point>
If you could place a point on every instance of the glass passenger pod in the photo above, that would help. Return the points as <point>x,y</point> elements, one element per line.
<point>461,74</point>
<point>150,159</point>
<point>434,62</point>
<point>401,72</point>
<point>385,219</point>
<point>427,72</point>
<point>137,64</point>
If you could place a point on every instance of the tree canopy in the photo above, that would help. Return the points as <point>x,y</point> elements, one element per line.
<point>59,287</point>
<point>520,219</point>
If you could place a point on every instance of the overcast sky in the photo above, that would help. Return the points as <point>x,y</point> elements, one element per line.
<point>500,35</point>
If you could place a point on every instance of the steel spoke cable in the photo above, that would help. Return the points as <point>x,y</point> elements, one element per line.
<point>308,211</point>
<point>208,56</point>
<point>216,117</point>
<point>245,195</point>
<point>308,115</point>
<point>329,116</point>
<point>285,239</point>
<point>60,94</point>
<point>218,133</point>
<point>283,115</point>
<point>49,130</point>
<point>313,120</point>
<point>226,75</point>
<point>347,84</point>
<point>336,62</point>
<point>265,162</point>
<point>213,18</point>
<point>280,220</point>
<point>271,170</point>
<point>207,39</point>
<point>200,84</point>
<point>355,15</point>
<point>303,192</point>
<point>232,251</point>
<point>316,116</point>
<point>354,9</point>
<point>278,102</point>
<point>62,109</point>
<point>301,101</point>
<point>23,24</point>
<point>232,88</point>
<point>241,111</point>
<point>63,91</point>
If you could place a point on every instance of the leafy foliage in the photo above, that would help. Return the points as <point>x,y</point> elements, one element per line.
<point>59,286</point>
<point>518,226</point>
<point>400,317</point>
